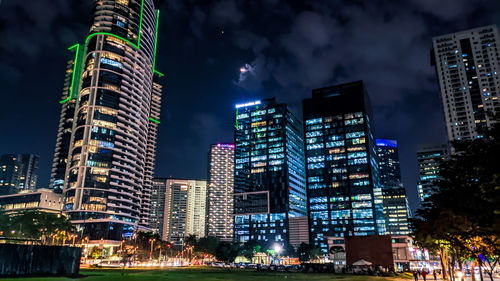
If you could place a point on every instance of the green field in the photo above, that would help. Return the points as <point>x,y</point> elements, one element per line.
<point>208,274</point>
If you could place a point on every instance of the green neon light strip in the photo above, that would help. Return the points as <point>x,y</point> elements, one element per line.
<point>154,120</point>
<point>156,37</point>
<point>159,73</point>
<point>236,123</point>
<point>119,37</point>
<point>75,62</point>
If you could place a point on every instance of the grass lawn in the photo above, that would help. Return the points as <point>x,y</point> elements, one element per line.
<point>201,273</point>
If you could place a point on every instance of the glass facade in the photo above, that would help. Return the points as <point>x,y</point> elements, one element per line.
<point>269,180</point>
<point>396,209</point>
<point>116,95</point>
<point>429,157</point>
<point>345,197</point>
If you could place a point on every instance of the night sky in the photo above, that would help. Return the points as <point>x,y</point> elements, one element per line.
<point>289,48</point>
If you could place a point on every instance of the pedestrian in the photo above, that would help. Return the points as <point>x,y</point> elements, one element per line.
<point>415,275</point>
<point>435,274</point>
<point>424,274</point>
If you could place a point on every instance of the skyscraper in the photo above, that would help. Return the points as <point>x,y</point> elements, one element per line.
<point>115,96</point>
<point>395,201</point>
<point>467,67</point>
<point>160,200</point>
<point>429,158</point>
<point>396,209</point>
<point>186,211</point>
<point>18,173</point>
<point>269,181</point>
<point>343,184</point>
<point>388,160</point>
<point>220,191</point>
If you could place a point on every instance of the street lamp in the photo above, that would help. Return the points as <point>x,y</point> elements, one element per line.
<point>277,250</point>
<point>151,252</point>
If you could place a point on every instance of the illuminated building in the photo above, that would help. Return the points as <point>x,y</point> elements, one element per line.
<point>429,158</point>
<point>42,199</point>
<point>388,160</point>
<point>115,95</point>
<point>18,172</point>
<point>269,185</point>
<point>160,195</point>
<point>220,191</point>
<point>185,209</point>
<point>395,201</point>
<point>467,67</point>
<point>342,171</point>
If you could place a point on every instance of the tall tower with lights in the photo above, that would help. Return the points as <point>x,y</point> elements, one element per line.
<point>468,69</point>
<point>106,142</point>
<point>269,180</point>
<point>220,191</point>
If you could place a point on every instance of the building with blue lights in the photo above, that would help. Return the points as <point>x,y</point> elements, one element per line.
<point>342,171</point>
<point>396,208</point>
<point>269,178</point>
<point>429,157</point>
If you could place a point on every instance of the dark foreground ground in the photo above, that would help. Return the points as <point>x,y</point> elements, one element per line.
<point>201,274</point>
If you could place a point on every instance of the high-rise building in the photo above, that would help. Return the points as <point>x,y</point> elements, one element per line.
<point>186,211</point>
<point>109,120</point>
<point>429,158</point>
<point>388,160</point>
<point>18,173</point>
<point>395,201</point>
<point>396,210</point>
<point>467,67</point>
<point>160,199</point>
<point>220,191</point>
<point>343,184</point>
<point>269,181</point>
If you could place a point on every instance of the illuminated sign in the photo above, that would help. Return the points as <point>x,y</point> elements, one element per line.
<point>257,102</point>
<point>225,145</point>
<point>383,142</point>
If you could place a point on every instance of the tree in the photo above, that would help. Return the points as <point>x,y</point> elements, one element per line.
<point>303,252</point>
<point>207,245</point>
<point>315,253</point>
<point>227,252</point>
<point>464,210</point>
<point>95,252</point>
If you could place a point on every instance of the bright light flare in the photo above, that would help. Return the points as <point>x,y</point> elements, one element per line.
<point>243,69</point>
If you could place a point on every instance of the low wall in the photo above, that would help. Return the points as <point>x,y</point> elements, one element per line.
<point>25,260</point>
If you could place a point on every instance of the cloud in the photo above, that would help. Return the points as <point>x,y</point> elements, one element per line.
<point>226,12</point>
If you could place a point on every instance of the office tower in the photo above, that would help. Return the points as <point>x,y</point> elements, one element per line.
<point>388,160</point>
<point>343,184</point>
<point>467,67</point>
<point>115,96</point>
<point>186,209</point>
<point>429,157</point>
<point>220,191</point>
<point>395,201</point>
<point>18,172</point>
<point>160,195</point>
<point>396,210</point>
<point>269,180</point>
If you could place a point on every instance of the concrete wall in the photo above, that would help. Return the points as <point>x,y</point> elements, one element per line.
<point>19,260</point>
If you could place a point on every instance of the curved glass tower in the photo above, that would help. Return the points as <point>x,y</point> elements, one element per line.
<point>115,97</point>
